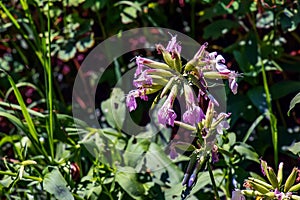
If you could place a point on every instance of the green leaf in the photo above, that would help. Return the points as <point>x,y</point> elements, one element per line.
<point>283,88</point>
<point>114,108</point>
<point>218,28</point>
<point>294,148</point>
<point>85,43</point>
<point>256,95</point>
<point>294,101</point>
<point>6,181</point>
<point>127,179</point>
<point>129,13</point>
<point>247,151</point>
<point>55,184</point>
<point>158,162</point>
<point>184,146</point>
<point>67,53</point>
<point>135,151</point>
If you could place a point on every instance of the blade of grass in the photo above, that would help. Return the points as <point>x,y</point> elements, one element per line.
<point>25,36</point>
<point>31,133</point>
<point>22,84</point>
<point>49,84</point>
<point>30,111</point>
<point>28,15</point>
<point>252,127</point>
<point>25,113</point>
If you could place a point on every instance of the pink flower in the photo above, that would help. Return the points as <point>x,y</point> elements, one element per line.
<point>232,82</point>
<point>140,66</point>
<point>173,46</point>
<point>143,80</point>
<point>166,114</point>
<point>130,101</point>
<point>193,115</point>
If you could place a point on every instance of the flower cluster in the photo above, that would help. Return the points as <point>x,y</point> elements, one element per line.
<point>171,79</point>
<point>274,189</point>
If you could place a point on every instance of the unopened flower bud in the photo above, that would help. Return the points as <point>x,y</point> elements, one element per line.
<point>258,187</point>
<point>291,179</point>
<point>273,178</point>
<point>280,173</point>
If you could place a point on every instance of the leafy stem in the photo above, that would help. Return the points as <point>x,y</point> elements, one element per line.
<point>34,178</point>
<point>213,181</point>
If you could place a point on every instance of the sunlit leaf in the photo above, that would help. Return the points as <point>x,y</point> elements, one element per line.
<point>127,178</point>
<point>294,148</point>
<point>55,184</point>
<point>247,151</point>
<point>293,102</point>
<point>114,108</point>
<point>218,28</point>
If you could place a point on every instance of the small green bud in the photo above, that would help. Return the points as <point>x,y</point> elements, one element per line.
<point>215,75</point>
<point>209,115</point>
<point>260,188</point>
<point>160,72</point>
<point>273,177</point>
<point>291,179</point>
<point>154,64</point>
<point>158,80</point>
<point>28,162</point>
<point>167,56</point>
<point>263,183</point>
<point>295,188</point>
<point>252,193</point>
<point>280,173</point>
<point>271,195</point>
<point>295,197</point>
<point>167,87</point>
<point>177,61</point>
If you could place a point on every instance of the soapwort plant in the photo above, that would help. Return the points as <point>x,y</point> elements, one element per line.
<point>192,81</point>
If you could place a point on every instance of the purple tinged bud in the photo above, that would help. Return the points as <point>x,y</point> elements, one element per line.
<point>214,152</point>
<point>201,51</point>
<point>191,180</point>
<point>262,169</point>
<point>185,179</point>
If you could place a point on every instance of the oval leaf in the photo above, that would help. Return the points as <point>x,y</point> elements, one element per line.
<point>55,184</point>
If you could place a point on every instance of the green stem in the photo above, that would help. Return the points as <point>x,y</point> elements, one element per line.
<point>273,120</point>
<point>213,181</point>
<point>34,178</point>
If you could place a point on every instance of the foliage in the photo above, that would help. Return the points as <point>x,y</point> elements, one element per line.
<point>45,154</point>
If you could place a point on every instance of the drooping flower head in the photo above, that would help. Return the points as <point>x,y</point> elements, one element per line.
<point>166,114</point>
<point>130,101</point>
<point>194,113</point>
